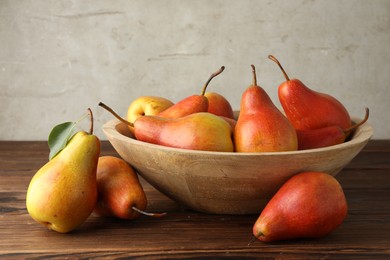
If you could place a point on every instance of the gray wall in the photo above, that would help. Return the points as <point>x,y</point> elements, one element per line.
<point>57,58</point>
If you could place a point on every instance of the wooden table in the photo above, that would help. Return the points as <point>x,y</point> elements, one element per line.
<point>365,234</point>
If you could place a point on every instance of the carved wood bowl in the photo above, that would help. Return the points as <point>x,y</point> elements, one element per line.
<point>226,183</point>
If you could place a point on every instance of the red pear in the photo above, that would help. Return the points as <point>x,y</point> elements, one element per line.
<point>308,205</point>
<point>325,136</point>
<point>261,126</point>
<point>120,193</point>
<point>309,109</point>
<point>191,104</point>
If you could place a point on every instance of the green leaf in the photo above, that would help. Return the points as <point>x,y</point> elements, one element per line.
<point>59,137</point>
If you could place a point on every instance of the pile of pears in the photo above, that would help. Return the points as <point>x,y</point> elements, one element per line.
<point>77,181</point>
<point>207,121</point>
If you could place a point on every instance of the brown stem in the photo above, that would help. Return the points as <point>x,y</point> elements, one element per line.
<point>115,114</point>
<point>155,215</point>
<point>254,239</point>
<point>280,66</point>
<point>211,77</point>
<point>91,119</point>
<point>254,75</point>
<point>350,129</point>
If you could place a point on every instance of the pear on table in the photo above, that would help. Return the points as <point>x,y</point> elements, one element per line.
<point>120,193</point>
<point>63,193</point>
<point>261,127</point>
<point>309,109</point>
<point>308,205</point>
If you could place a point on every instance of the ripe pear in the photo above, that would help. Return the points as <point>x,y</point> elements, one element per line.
<point>147,105</point>
<point>119,189</point>
<point>309,109</point>
<point>63,193</point>
<point>261,127</point>
<point>198,131</point>
<point>191,104</point>
<point>219,105</point>
<point>325,136</point>
<point>308,205</point>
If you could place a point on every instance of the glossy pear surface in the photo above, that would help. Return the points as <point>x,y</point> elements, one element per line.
<point>63,193</point>
<point>189,105</point>
<point>261,127</point>
<point>198,131</point>
<point>308,205</point>
<point>219,105</point>
<point>119,189</point>
<point>309,109</point>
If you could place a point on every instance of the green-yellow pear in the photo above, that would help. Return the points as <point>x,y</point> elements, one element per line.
<point>63,193</point>
<point>147,105</point>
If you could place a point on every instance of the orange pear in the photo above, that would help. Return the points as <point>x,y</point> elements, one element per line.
<point>191,104</point>
<point>261,127</point>
<point>219,105</point>
<point>120,194</point>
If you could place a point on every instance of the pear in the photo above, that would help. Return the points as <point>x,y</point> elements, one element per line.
<point>326,136</point>
<point>198,131</point>
<point>308,205</point>
<point>191,104</point>
<point>309,109</point>
<point>147,105</point>
<point>119,189</point>
<point>219,105</point>
<point>63,193</point>
<point>261,127</point>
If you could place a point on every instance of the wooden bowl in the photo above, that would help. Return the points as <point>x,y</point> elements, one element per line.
<point>226,183</point>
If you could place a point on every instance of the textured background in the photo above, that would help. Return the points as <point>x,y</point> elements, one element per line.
<point>57,58</point>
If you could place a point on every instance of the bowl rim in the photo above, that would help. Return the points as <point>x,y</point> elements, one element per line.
<point>362,133</point>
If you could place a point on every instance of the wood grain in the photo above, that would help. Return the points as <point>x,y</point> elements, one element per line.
<point>365,234</point>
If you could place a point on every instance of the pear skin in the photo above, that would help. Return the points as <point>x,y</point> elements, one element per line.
<point>261,127</point>
<point>308,205</point>
<point>199,131</point>
<point>147,105</point>
<point>219,105</point>
<point>191,104</point>
<point>326,136</point>
<point>309,109</point>
<point>119,189</point>
<point>63,193</point>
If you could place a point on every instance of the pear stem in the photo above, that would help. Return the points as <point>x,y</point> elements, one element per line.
<point>254,75</point>
<point>155,215</point>
<point>211,77</point>
<point>115,114</point>
<point>91,119</point>
<point>280,66</point>
<point>350,129</point>
<point>254,238</point>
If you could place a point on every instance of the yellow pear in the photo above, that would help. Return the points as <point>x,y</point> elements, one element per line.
<point>63,193</point>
